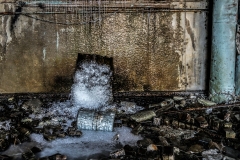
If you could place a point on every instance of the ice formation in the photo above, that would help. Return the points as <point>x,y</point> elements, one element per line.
<point>91,143</point>
<point>92,88</point>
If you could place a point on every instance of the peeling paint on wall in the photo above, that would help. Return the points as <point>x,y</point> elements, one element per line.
<point>44,53</point>
<point>8,26</point>
<point>57,41</point>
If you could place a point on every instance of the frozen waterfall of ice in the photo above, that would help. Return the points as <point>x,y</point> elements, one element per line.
<point>92,88</point>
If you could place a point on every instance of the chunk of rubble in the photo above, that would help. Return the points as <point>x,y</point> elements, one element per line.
<point>143,116</point>
<point>206,102</point>
<point>154,105</point>
<point>230,152</point>
<point>152,147</point>
<point>163,141</point>
<point>178,98</point>
<point>118,153</point>
<point>128,107</point>
<point>196,148</point>
<point>33,105</point>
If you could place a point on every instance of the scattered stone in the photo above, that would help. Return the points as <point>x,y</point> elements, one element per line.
<point>118,153</point>
<point>214,145</point>
<point>128,107</point>
<point>196,148</point>
<point>163,141</point>
<point>237,116</point>
<point>191,96</point>
<point>3,144</point>
<point>227,116</point>
<point>206,102</point>
<point>168,153</point>
<point>61,157</point>
<point>163,103</point>
<point>162,131</point>
<point>212,154</point>
<point>49,137</point>
<point>137,129</point>
<point>202,122</point>
<point>178,98</point>
<point>228,158</point>
<point>183,103</point>
<point>74,133</point>
<point>144,143</point>
<point>55,157</point>
<point>116,137</point>
<point>230,152</point>
<point>154,105</point>
<point>143,116</point>
<point>152,147</point>
<point>157,121</point>
<point>229,133</point>
<point>33,105</point>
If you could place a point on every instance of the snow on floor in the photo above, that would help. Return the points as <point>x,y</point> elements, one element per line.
<point>91,143</point>
<point>91,90</point>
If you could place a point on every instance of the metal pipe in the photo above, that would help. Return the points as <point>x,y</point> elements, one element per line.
<point>223,54</point>
<point>108,11</point>
<point>237,77</point>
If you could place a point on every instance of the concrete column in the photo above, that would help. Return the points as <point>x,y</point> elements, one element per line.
<point>223,56</point>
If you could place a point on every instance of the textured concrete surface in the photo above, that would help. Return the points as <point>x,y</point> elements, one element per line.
<point>154,51</point>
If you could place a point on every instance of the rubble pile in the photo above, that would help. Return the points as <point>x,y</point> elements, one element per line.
<point>183,128</point>
<point>175,128</point>
<point>19,119</point>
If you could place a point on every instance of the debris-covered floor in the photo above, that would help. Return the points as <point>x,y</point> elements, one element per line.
<point>174,128</point>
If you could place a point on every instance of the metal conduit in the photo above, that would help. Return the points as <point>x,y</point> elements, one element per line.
<point>222,73</point>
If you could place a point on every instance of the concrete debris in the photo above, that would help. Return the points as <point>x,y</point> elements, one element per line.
<point>152,147</point>
<point>142,116</point>
<point>116,137</point>
<point>196,148</point>
<point>229,133</point>
<point>178,98</point>
<point>118,153</point>
<point>128,107</point>
<point>163,141</point>
<point>34,105</point>
<point>211,154</point>
<point>156,121</point>
<point>167,132</point>
<point>206,102</point>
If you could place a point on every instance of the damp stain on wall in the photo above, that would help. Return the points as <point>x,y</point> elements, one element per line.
<point>151,51</point>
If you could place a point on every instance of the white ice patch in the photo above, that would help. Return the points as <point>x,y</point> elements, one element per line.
<point>17,150</point>
<point>5,125</point>
<point>91,88</point>
<point>91,142</point>
<point>212,154</point>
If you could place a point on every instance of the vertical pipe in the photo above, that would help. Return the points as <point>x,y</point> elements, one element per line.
<point>237,77</point>
<point>223,56</point>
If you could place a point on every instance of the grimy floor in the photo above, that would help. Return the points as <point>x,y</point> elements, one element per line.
<point>188,127</point>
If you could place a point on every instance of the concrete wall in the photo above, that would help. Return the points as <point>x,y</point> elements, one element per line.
<point>154,51</point>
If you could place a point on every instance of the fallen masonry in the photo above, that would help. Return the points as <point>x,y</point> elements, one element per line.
<point>174,128</point>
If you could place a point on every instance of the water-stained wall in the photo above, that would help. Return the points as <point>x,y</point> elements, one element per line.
<point>151,51</point>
